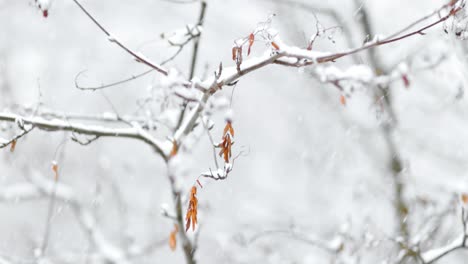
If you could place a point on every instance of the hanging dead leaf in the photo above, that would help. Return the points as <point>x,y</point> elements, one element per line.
<point>191,216</point>
<point>226,146</point>
<point>406,81</point>
<point>234,53</point>
<point>13,145</point>
<point>343,100</point>
<point>55,170</point>
<point>229,128</point>
<point>251,42</point>
<point>173,237</point>
<point>175,149</point>
<point>275,46</point>
<point>464,198</point>
<point>227,142</point>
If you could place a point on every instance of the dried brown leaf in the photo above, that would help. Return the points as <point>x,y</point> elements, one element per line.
<point>13,145</point>
<point>191,216</point>
<point>175,149</point>
<point>234,53</point>
<point>55,170</point>
<point>251,42</point>
<point>173,237</point>
<point>343,100</point>
<point>464,198</point>
<point>275,46</point>
<point>406,81</point>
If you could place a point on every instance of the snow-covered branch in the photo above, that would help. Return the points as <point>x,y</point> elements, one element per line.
<point>460,242</point>
<point>135,132</point>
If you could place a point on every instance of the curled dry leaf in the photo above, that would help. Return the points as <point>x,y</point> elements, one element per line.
<point>343,100</point>
<point>175,149</point>
<point>234,53</point>
<point>191,216</point>
<point>237,56</point>
<point>13,145</point>
<point>406,81</point>
<point>274,45</point>
<point>55,170</point>
<point>251,42</point>
<point>229,128</point>
<point>173,237</point>
<point>226,143</point>
<point>464,198</point>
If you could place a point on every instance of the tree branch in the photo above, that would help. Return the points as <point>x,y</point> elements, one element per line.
<point>138,57</point>
<point>433,255</point>
<point>134,132</point>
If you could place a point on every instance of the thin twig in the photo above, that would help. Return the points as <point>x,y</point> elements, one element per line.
<point>112,38</point>
<point>197,40</point>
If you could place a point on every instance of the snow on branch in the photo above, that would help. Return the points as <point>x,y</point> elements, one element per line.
<point>283,54</point>
<point>294,56</point>
<point>135,131</point>
<point>432,255</point>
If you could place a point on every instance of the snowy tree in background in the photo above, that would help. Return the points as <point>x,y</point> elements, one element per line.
<point>314,133</point>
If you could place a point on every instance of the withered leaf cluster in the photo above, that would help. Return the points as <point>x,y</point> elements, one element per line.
<point>191,216</point>
<point>227,142</point>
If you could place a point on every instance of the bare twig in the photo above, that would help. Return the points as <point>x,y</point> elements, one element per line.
<point>15,138</point>
<point>197,40</point>
<point>112,38</point>
<point>104,86</point>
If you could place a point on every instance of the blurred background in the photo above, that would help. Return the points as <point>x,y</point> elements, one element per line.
<point>314,172</point>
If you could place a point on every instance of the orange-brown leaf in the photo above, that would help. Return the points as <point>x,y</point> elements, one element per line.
<point>251,42</point>
<point>226,144</point>
<point>191,216</point>
<point>464,198</point>
<point>175,149</point>
<point>343,100</point>
<point>13,145</point>
<point>55,170</point>
<point>234,53</point>
<point>187,225</point>
<point>229,128</point>
<point>173,237</point>
<point>275,45</point>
